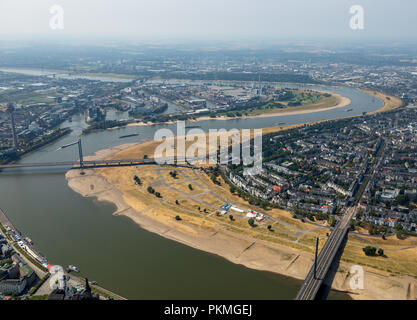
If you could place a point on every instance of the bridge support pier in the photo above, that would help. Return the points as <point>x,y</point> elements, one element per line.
<point>315,258</point>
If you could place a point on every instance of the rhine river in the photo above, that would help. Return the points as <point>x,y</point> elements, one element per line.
<point>115,252</point>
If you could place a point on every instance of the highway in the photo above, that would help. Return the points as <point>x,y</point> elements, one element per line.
<point>311,285</point>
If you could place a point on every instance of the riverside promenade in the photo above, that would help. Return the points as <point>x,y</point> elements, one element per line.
<point>6,226</point>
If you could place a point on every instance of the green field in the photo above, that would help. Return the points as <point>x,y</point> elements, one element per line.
<point>301,100</point>
<point>26,97</point>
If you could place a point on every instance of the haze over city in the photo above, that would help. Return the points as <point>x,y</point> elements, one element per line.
<point>206,20</point>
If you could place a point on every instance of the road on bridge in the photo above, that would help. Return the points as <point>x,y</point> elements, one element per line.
<point>85,164</point>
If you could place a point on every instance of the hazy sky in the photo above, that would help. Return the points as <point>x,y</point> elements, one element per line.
<point>211,19</point>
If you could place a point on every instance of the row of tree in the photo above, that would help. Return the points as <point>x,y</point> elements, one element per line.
<point>372,251</point>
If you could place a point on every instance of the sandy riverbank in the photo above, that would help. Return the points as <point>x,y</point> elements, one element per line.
<point>240,249</point>
<point>389,102</point>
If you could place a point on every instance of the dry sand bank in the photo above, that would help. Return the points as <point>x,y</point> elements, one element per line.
<point>389,102</point>
<point>240,249</point>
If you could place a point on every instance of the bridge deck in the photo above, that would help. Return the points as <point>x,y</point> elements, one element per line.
<point>86,164</point>
<point>311,285</point>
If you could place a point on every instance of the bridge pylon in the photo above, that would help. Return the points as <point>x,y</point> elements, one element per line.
<point>80,151</point>
<point>315,258</point>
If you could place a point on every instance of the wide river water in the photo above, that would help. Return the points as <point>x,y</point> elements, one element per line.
<point>115,252</point>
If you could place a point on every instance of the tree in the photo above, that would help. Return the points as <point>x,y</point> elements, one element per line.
<point>177,202</point>
<point>215,181</point>
<point>190,186</point>
<point>270,228</point>
<point>332,221</point>
<point>401,235</point>
<point>251,222</point>
<point>380,252</point>
<point>178,218</point>
<point>137,180</point>
<point>402,199</point>
<point>231,217</point>
<point>232,189</point>
<point>369,251</point>
<point>151,190</point>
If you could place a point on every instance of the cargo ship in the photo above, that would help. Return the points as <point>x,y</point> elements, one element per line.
<point>129,135</point>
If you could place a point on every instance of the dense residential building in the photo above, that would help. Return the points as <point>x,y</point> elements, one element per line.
<point>319,169</point>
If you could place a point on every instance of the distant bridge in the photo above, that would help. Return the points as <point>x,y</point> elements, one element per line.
<point>83,164</point>
<point>87,164</point>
